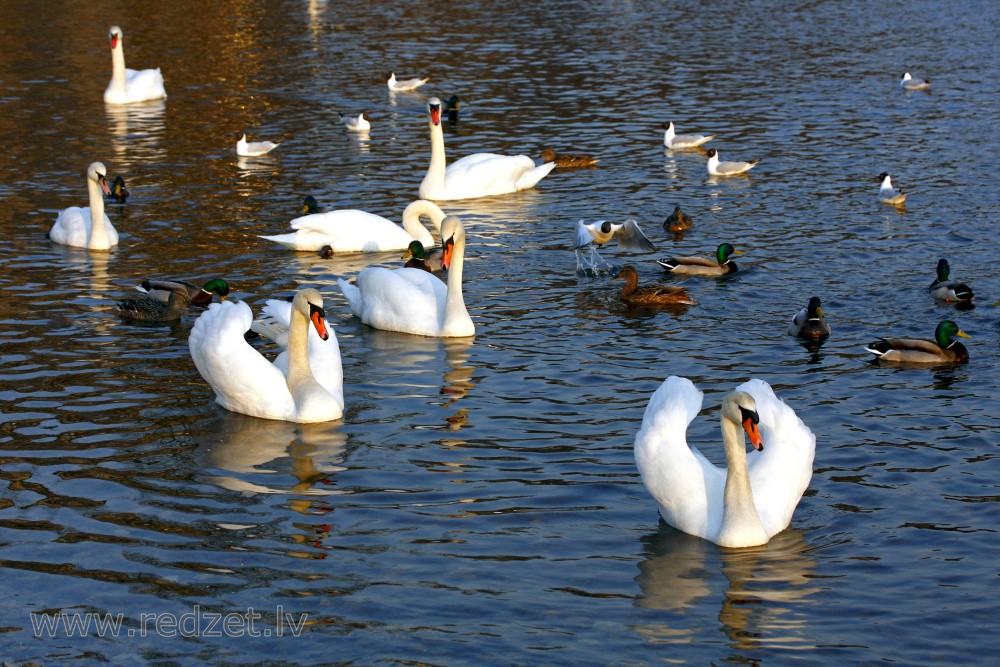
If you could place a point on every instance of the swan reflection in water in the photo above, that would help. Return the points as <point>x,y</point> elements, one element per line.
<point>136,132</point>
<point>268,456</point>
<point>763,588</point>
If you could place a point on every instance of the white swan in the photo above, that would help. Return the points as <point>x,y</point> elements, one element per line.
<point>75,227</point>
<point>129,85</point>
<point>478,175</point>
<point>246,148</point>
<point>305,384</point>
<point>413,300</point>
<point>351,230</point>
<point>743,504</point>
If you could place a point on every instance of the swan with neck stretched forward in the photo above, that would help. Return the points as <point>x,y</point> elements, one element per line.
<point>74,225</point>
<point>351,230</point>
<point>412,300</point>
<point>477,175</point>
<point>746,503</point>
<point>305,384</point>
<point>128,86</point>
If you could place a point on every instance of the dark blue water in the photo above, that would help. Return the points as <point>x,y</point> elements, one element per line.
<point>479,502</point>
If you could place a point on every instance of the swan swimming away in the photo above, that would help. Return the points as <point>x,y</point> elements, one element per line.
<point>305,384</point>
<point>253,148</point>
<point>128,85</point>
<point>74,225</point>
<point>351,230</point>
<point>746,503</point>
<point>413,300</point>
<point>477,175</point>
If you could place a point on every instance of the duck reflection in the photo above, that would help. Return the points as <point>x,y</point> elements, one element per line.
<point>136,131</point>
<point>302,457</point>
<point>763,585</point>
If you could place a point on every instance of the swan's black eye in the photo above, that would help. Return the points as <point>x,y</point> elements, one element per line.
<point>316,310</point>
<point>749,414</point>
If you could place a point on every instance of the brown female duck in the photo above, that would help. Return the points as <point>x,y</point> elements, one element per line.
<point>650,296</point>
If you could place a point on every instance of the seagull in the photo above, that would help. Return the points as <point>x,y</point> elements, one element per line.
<point>674,141</point>
<point>716,168</point>
<point>593,236</point>
<point>361,123</point>
<point>254,148</point>
<point>408,84</point>
<point>888,194</point>
<point>909,83</point>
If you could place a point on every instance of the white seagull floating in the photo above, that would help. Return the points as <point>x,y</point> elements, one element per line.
<point>888,194</point>
<point>675,141</point>
<point>359,123</point>
<point>717,168</point>
<point>406,84</point>
<point>253,148</point>
<point>593,236</point>
<point>909,83</point>
<point>129,85</point>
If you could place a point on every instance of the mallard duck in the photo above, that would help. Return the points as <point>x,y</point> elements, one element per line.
<point>888,194</point>
<point>948,290</point>
<point>809,322</point>
<point>246,148</point>
<point>418,258</point>
<point>310,205</point>
<point>452,107</point>
<point>161,290</point>
<point>568,160</point>
<point>151,311</point>
<point>650,295</point>
<point>594,235</point>
<point>119,192</point>
<point>693,265</point>
<point>909,83</point>
<point>405,84</point>
<point>717,168</point>
<point>942,350</point>
<point>674,141</point>
<point>677,221</point>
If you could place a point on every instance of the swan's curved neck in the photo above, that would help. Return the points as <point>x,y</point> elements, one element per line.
<point>299,371</point>
<point>118,67</point>
<point>415,228</point>
<point>740,522</point>
<point>455,313</point>
<point>98,230</point>
<point>434,180</point>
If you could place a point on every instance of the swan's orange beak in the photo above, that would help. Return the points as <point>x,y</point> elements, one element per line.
<point>750,426</point>
<point>446,252</point>
<point>317,315</point>
<point>103,182</point>
<point>435,114</point>
<point>114,41</point>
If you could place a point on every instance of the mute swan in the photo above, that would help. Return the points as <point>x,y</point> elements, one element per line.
<point>909,83</point>
<point>305,384</point>
<point>942,350</point>
<point>161,290</point>
<point>949,290</point>
<point>405,84</point>
<point>677,221</point>
<point>359,123</point>
<point>595,234</point>
<point>675,141</point>
<point>742,505</point>
<point>412,300</point>
<point>74,225</point>
<point>810,323</point>
<point>351,230</point>
<point>717,168</point>
<point>650,295</point>
<point>129,85</point>
<point>253,148</point>
<point>888,194</point>
<point>477,175</point>
<point>693,265</point>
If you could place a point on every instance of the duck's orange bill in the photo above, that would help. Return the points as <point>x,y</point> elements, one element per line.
<point>751,428</point>
<point>317,319</point>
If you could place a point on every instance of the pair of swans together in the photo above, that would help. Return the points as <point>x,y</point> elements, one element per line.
<point>305,382</point>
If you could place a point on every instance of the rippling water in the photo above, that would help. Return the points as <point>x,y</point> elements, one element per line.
<point>479,501</point>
